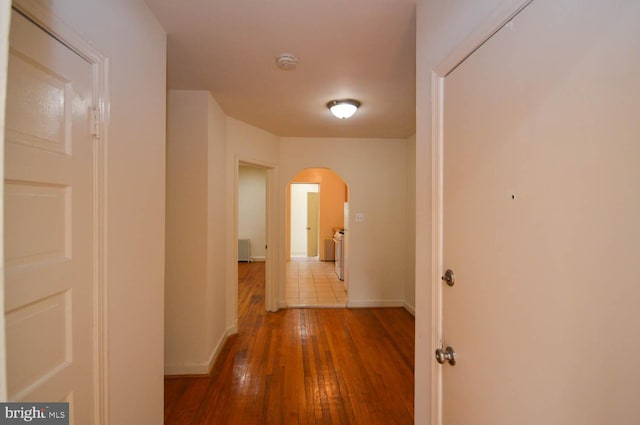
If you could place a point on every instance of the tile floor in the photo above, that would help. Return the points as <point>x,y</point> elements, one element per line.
<point>313,283</point>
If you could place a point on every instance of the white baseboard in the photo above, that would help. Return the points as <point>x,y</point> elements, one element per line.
<point>201,368</point>
<point>231,330</point>
<point>375,303</point>
<point>186,369</point>
<point>411,309</point>
<point>367,304</point>
<point>259,258</point>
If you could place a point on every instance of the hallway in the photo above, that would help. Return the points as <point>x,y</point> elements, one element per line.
<point>302,366</point>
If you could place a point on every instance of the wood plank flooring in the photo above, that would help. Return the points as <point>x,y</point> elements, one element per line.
<point>302,366</point>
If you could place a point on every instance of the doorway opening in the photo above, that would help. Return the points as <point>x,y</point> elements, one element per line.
<point>252,242</point>
<point>253,223</point>
<point>252,213</point>
<point>316,214</point>
<point>305,219</point>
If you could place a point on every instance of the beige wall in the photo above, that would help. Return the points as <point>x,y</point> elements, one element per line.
<point>251,143</point>
<point>375,171</point>
<point>333,195</point>
<point>129,35</point>
<point>194,283</point>
<point>252,197</point>
<point>441,26</point>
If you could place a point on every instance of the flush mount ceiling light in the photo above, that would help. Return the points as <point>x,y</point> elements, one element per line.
<point>343,108</point>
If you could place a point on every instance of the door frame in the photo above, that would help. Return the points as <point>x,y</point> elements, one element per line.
<point>271,253</point>
<point>314,229</point>
<point>500,17</point>
<point>49,22</point>
<point>289,208</point>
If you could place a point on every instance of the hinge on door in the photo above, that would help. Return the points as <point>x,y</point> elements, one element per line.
<point>94,123</point>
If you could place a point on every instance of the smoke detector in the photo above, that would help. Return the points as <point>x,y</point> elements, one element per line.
<point>287,61</point>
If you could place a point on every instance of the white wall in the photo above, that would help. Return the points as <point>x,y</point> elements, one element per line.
<point>376,172</point>
<point>251,143</point>
<point>252,205</point>
<point>128,34</point>
<point>195,283</point>
<point>441,26</point>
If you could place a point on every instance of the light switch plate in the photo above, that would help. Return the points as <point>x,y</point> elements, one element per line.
<point>359,217</point>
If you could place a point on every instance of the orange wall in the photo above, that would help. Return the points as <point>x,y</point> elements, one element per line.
<point>333,195</point>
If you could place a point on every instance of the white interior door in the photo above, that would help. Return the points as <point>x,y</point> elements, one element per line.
<point>298,217</point>
<point>541,205</point>
<point>49,225</point>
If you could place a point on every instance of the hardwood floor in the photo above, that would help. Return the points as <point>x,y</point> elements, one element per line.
<point>302,366</point>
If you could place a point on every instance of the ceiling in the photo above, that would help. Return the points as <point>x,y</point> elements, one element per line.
<point>360,49</point>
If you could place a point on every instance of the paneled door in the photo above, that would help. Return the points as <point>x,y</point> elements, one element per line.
<point>541,209</point>
<point>49,226</point>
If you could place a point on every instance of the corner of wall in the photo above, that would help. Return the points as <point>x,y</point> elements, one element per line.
<point>201,368</point>
<point>410,308</point>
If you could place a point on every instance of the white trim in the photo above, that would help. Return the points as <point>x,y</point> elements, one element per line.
<point>186,369</point>
<point>504,13</point>
<point>202,368</point>
<point>233,328</point>
<point>500,17</point>
<point>46,19</point>
<point>259,258</point>
<point>437,97</point>
<point>356,304</point>
<point>5,17</point>
<point>272,283</point>
<point>313,305</point>
<point>375,303</point>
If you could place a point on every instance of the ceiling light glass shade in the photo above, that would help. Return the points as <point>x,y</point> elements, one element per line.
<point>343,108</point>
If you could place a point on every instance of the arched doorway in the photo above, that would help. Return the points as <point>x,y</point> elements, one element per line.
<point>317,199</point>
